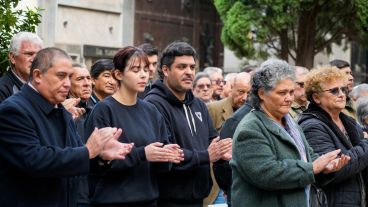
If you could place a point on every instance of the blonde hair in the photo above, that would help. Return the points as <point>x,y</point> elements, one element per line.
<point>319,76</point>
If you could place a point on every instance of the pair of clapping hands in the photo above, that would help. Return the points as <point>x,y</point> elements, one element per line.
<point>104,142</point>
<point>220,149</point>
<point>330,162</point>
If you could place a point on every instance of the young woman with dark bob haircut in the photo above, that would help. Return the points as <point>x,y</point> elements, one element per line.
<point>131,182</point>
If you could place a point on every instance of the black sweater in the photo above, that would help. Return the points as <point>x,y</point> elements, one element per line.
<point>190,126</point>
<point>324,136</point>
<point>132,180</point>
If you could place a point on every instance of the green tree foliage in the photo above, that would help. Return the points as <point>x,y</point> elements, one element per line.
<point>13,21</point>
<point>296,29</point>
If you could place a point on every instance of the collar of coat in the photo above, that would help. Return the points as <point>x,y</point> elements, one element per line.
<point>352,128</point>
<point>273,128</point>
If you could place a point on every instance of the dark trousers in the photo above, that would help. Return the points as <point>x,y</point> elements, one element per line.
<point>171,203</point>
<point>137,204</point>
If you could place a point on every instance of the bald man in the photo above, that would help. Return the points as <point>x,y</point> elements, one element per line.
<point>223,109</point>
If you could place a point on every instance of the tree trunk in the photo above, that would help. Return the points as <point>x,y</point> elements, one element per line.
<point>284,53</point>
<point>306,39</point>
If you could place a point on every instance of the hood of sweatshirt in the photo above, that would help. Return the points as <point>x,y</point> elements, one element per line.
<point>160,89</point>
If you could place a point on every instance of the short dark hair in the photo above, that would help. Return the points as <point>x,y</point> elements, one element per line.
<point>100,66</point>
<point>46,58</point>
<point>123,56</point>
<point>173,50</point>
<point>339,63</point>
<point>149,49</point>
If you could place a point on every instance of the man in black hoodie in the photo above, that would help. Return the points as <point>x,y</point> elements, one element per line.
<point>189,126</point>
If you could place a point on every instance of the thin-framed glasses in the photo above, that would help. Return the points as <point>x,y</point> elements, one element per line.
<point>218,82</point>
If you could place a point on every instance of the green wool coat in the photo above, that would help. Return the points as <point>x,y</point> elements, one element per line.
<point>266,165</point>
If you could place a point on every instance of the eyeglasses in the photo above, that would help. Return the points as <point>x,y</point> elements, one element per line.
<point>300,84</point>
<point>336,91</point>
<point>202,86</point>
<point>218,82</point>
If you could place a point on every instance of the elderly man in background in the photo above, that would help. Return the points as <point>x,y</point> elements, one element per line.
<point>229,82</point>
<point>81,90</point>
<point>359,91</point>
<point>345,67</point>
<point>23,49</point>
<point>300,102</point>
<point>221,110</point>
<point>41,154</point>
<point>217,81</point>
<point>202,87</point>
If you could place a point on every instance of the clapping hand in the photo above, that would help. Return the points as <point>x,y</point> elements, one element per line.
<point>115,150</point>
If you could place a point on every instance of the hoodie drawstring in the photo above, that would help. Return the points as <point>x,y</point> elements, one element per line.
<point>188,120</point>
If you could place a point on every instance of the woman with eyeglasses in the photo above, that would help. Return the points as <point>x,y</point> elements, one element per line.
<point>327,129</point>
<point>202,87</point>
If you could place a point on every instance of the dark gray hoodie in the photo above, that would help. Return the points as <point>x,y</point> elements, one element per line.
<point>190,126</point>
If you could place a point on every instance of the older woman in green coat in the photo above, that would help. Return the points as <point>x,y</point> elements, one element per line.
<point>272,163</point>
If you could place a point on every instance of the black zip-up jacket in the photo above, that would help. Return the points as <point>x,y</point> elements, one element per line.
<point>190,126</point>
<point>325,136</point>
<point>41,154</point>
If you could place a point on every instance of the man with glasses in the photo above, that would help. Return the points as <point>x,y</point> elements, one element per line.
<point>23,49</point>
<point>300,99</point>
<point>345,67</point>
<point>202,87</point>
<point>217,81</point>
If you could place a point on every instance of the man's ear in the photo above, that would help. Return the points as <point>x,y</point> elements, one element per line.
<point>37,76</point>
<point>165,70</point>
<point>11,57</point>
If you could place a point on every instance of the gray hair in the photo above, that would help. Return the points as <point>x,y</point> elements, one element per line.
<point>199,76</point>
<point>362,110</point>
<point>301,70</point>
<point>20,37</point>
<point>212,70</point>
<point>358,90</point>
<point>46,58</point>
<point>267,77</point>
<point>79,65</point>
